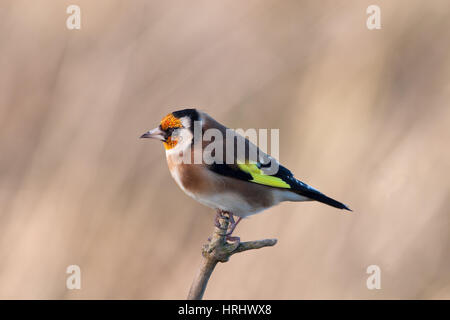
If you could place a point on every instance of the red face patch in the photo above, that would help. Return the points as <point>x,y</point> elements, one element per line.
<point>170,121</point>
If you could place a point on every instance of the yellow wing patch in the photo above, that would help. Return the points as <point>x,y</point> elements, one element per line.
<point>260,178</point>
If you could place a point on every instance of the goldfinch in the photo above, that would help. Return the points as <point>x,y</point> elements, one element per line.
<point>230,182</point>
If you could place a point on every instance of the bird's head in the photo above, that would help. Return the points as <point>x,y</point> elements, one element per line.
<point>175,128</point>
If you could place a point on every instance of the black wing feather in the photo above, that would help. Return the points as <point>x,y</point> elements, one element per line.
<point>284,174</point>
<point>303,189</point>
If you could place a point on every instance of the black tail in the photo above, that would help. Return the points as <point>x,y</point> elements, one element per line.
<point>318,196</point>
<point>303,189</point>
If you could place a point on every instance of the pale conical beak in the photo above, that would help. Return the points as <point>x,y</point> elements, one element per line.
<point>156,133</point>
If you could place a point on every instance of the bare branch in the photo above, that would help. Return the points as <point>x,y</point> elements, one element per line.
<point>219,250</point>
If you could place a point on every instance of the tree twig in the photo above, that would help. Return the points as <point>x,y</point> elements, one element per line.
<point>219,250</point>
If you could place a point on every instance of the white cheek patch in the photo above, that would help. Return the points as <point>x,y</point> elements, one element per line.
<point>185,121</point>
<point>184,139</point>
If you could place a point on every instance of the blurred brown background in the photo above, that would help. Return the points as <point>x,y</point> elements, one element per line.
<point>363,115</point>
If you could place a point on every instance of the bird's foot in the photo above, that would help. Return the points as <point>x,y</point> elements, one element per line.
<point>233,225</point>
<point>220,214</point>
<point>235,240</point>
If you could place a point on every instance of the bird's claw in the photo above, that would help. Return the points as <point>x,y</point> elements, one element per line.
<point>235,240</point>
